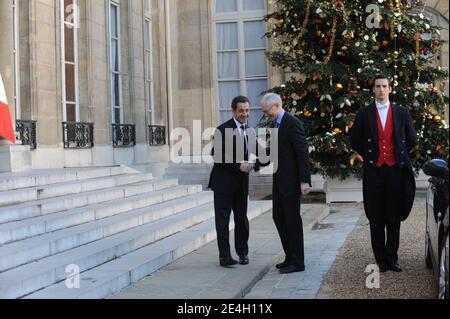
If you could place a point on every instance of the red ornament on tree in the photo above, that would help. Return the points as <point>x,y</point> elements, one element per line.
<point>340,5</point>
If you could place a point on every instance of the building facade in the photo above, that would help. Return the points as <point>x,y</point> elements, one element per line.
<point>104,82</point>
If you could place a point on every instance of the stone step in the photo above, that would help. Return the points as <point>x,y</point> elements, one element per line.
<point>47,206</point>
<point>68,187</point>
<point>111,277</point>
<point>186,180</point>
<point>261,179</point>
<point>11,181</point>
<point>193,168</point>
<point>189,175</point>
<point>158,222</point>
<point>34,248</point>
<point>201,165</point>
<point>31,227</point>
<point>262,186</point>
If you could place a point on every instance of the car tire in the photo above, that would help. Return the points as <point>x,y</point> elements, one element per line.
<point>428,260</point>
<point>443,269</point>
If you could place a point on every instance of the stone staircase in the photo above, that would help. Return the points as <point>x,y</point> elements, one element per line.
<point>113,225</point>
<point>260,185</point>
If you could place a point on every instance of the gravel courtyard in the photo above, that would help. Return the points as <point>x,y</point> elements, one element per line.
<point>347,278</point>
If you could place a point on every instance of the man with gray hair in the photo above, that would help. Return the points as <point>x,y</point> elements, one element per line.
<point>291,179</point>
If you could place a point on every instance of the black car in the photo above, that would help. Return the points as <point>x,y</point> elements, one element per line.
<point>436,239</point>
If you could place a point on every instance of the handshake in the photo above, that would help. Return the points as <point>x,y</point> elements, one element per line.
<point>246,167</point>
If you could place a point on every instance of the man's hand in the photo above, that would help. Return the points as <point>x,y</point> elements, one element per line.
<point>246,167</point>
<point>305,188</point>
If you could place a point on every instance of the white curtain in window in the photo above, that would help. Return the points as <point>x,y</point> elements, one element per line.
<point>254,118</point>
<point>115,55</point>
<point>114,29</point>
<point>226,6</point>
<point>255,63</point>
<point>228,65</point>
<point>254,5</point>
<point>227,91</point>
<point>255,88</point>
<point>227,36</point>
<point>227,62</point>
<point>254,35</point>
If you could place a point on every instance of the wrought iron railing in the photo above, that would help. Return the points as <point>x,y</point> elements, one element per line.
<point>26,131</point>
<point>124,135</point>
<point>78,135</point>
<point>157,135</point>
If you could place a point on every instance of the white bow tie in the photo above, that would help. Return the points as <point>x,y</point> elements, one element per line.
<point>382,106</point>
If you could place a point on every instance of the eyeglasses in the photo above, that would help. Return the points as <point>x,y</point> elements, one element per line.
<point>268,110</point>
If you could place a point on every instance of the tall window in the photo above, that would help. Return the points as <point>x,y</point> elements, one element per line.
<point>115,64</point>
<point>69,54</point>
<point>240,49</point>
<point>16,58</point>
<point>148,62</point>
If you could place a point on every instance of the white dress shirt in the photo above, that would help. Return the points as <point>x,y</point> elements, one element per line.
<point>383,112</point>
<point>241,131</point>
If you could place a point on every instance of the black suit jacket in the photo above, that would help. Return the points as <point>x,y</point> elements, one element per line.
<point>364,140</point>
<point>292,164</point>
<point>226,177</point>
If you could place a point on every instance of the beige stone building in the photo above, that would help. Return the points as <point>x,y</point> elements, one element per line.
<point>103,82</point>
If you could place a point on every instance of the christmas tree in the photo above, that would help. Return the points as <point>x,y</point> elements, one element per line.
<point>331,51</point>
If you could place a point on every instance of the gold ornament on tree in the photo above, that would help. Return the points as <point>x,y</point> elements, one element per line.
<point>333,38</point>
<point>417,52</point>
<point>305,22</point>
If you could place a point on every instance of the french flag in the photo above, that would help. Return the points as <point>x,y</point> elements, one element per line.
<point>6,128</point>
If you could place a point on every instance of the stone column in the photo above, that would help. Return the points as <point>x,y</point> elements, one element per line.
<point>136,70</point>
<point>7,54</point>
<point>98,79</point>
<point>13,158</point>
<point>44,75</point>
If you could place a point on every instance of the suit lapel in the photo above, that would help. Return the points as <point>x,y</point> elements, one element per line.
<point>283,124</point>
<point>231,124</point>
<point>372,113</point>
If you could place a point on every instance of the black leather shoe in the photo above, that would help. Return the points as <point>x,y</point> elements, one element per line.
<point>382,267</point>
<point>282,265</point>
<point>244,260</point>
<point>394,267</point>
<point>291,268</point>
<point>228,262</point>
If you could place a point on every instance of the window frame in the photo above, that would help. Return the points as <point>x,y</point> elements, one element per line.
<point>74,27</point>
<point>16,53</point>
<point>240,17</point>
<point>115,3</point>
<point>148,63</point>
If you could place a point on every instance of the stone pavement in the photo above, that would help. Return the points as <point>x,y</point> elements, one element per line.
<point>322,244</point>
<point>199,276</point>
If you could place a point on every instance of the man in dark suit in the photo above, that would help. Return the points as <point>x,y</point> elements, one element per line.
<point>383,134</point>
<point>229,181</point>
<point>291,179</point>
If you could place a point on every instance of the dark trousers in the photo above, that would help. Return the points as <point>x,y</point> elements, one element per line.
<point>223,205</point>
<point>286,215</point>
<point>383,189</point>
